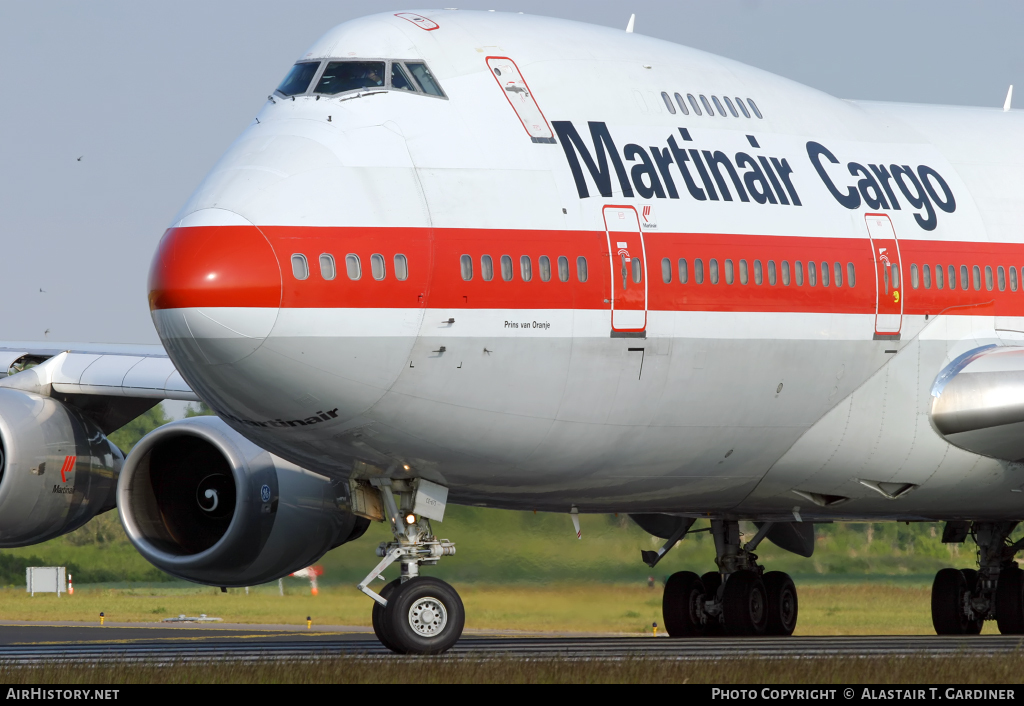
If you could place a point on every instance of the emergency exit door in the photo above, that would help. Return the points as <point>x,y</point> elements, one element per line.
<point>628,269</point>
<point>885,250</point>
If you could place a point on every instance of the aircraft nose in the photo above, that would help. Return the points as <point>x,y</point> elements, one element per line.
<point>214,287</point>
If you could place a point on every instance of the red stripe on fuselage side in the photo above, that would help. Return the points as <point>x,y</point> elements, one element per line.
<point>435,277</point>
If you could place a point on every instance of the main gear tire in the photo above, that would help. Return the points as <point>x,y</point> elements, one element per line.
<point>1010,602</point>
<point>782,603</point>
<point>682,605</point>
<point>745,604</point>
<point>949,590</point>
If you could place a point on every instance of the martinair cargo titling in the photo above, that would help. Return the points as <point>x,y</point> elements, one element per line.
<point>761,179</point>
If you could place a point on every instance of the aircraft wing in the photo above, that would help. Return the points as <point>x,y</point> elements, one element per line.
<point>978,402</point>
<point>111,383</point>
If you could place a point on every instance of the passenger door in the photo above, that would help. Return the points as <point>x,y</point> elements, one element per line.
<point>628,269</point>
<point>885,251</point>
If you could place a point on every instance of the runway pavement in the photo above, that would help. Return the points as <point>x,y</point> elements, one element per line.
<point>33,642</point>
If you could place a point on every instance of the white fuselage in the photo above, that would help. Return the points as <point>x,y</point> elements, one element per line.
<point>753,397</point>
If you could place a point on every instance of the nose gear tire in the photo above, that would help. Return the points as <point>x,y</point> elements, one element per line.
<point>682,605</point>
<point>782,603</point>
<point>424,616</point>
<point>379,626</point>
<point>745,604</point>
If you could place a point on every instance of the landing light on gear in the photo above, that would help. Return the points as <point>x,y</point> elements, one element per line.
<point>413,614</point>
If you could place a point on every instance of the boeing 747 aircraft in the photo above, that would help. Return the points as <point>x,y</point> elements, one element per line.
<point>518,262</point>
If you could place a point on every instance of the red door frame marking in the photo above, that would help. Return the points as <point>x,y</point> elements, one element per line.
<point>512,105</point>
<point>611,264</point>
<point>878,259</point>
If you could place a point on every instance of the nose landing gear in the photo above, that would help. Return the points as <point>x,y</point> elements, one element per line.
<point>738,599</point>
<point>413,614</point>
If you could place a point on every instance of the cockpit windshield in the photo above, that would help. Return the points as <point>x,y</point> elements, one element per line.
<point>298,79</point>
<point>341,76</point>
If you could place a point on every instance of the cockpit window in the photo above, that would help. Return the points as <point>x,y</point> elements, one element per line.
<point>341,76</point>
<point>298,79</point>
<point>425,78</point>
<point>399,79</point>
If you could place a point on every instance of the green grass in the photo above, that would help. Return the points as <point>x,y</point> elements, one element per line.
<point>825,609</point>
<point>988,670</point>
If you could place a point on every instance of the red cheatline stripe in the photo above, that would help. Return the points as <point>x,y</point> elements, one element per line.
<point>252,278</point>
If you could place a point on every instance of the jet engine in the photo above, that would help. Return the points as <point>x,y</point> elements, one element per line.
<point>201,502</point>
<point>57,469</point>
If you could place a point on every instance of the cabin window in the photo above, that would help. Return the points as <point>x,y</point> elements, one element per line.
<point>926,276</point>
<point>637,271</point>
<point>300,268</point>
<point>327,269</point>
<point>989,283</point>
<point>581,269</point>
<point>753,107</point>
<point>707,106</point>
<point>668,103</point>
<point>851,275</point>
<point>798,271</point>
<point>698,270</point>
<point>353,267</point>
<point>666,270</point>
<point>298,79</point>
<point>812,274</point>
<point>732,108</point>
<point>758,275</point>
<point>976,271</point>
<point>837,274</point>
<point>466,265</point>
<point>1013,279</point>
<point>563,268</point>
<point>938,276</point>
<point>785,273</point>
<point>728,271</point>
<point>377,266</point>
<point>342,76</point>
<point>718,106</point>
<point>951,280</point>
<point>401,268</point>
<point>486,268</point>
<point>544,265</point>
<point>824,274</point>
<point>743,108</point>
<point>426,79</point>
<point>693,102</point>
<point>771,272</point>
<point>713,270</point>
<point>914,280</point>
<point>895,276</point>
<point>506,268</point>
<point>682,104</point>
<point>526,268</point>
<point>683,272</point>
<point>743,271</point>
<point>1001,278</point>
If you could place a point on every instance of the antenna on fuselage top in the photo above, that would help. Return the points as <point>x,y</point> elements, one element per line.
<point>1006,103</point>
<point>629,26</point>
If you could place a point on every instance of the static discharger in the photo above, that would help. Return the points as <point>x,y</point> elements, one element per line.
<point>575,515</point>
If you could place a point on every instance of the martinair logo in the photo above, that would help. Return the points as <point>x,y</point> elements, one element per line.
<point>67,467</point>
<point>747,177</point>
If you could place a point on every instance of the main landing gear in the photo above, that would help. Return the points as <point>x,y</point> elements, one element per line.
<point>738,599</point>
<point>413,614</point>
<point>962,599</point>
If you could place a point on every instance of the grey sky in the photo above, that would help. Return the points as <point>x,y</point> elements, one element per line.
<point>150,95</point>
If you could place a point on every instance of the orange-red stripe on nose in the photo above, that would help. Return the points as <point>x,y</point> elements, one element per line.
<point>214,266</point>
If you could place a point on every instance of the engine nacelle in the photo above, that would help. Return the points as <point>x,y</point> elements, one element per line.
<point>201,502</point>
<point>57,469</point>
